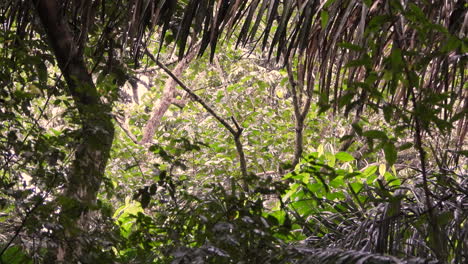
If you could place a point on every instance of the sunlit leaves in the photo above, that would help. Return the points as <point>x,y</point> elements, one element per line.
<point>392,179</point>
<point>126,216</point>
<point>343,156</point>
<point>369,171</point>
<point>390,153</point>
<point>382,169</point>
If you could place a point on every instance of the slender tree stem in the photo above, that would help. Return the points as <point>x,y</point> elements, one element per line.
<point>235,131</point>
<point>300,113</point>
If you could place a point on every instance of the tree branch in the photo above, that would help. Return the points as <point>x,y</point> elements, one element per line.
<point>192,94</point>
<point>236,132</point>
<point>127,131</point>
<point>299,116</point>
<point>168,97</point>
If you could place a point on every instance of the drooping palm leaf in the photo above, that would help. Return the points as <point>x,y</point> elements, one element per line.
<point>405,56</point>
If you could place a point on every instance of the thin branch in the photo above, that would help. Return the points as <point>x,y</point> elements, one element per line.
<point>179,102</point>
<point>292,82</point>
<point>239,129</point>
<point>192,94</point>
<point>154,68</point>
<point>127,131</point>
<point>299,124</point>
<point>236,132</point>
<point>147,70</point>
<point>22,225</point>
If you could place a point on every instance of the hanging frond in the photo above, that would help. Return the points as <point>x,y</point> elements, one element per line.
<point>332,256</point>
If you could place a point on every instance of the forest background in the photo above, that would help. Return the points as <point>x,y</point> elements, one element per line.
<point>260,131</point>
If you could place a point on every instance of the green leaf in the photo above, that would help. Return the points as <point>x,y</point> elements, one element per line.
<point>463,152</point>
<point>452,43</point>
<point>405,146</point>
<point>346,137</point>
<point>416,10</point>
<point>42,72</point>
<point>382,169</point>
<point>324,16</point>
<point>345,99</point>
<point>375,24</point>
<point>305,177</point>
<point>292,190</point>
<point>368,3</point>
<point>320,150</point>
<point>329,3</point>
<point>14,255</point>
<point>444,218</point>
<point>413,79</point>
<point>396,60</point>
<point>315,187</point>
<point>388,113</point>
<point>392,179</point>
<point>351,46</point>
<point>369,171</point>
<point>357,128</point>
<point>459,115</point>
<point>280,216</point>
<point>343,156</point>
<point>330,159</point>
<point>337,182</point>
<point>356,186</point>
<point>375,134</point>
<point>335,196</point>
<point>390,153</point>
<point>304,207</point>
<point>364,61</point>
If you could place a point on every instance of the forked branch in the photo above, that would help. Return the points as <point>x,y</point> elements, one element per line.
<point>235,131</point>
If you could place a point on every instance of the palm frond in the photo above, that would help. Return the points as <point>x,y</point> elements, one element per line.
<point>333,256</point>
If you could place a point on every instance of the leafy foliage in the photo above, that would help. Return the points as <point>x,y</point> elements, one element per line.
<point>350,148</point>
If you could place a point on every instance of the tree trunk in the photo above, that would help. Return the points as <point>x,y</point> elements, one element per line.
<point>97,131</point>
<point>168,97</point>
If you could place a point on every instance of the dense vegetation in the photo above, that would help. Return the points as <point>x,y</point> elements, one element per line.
<point>242,131</point>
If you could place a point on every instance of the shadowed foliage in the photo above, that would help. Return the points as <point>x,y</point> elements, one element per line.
<point>401,60</point>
